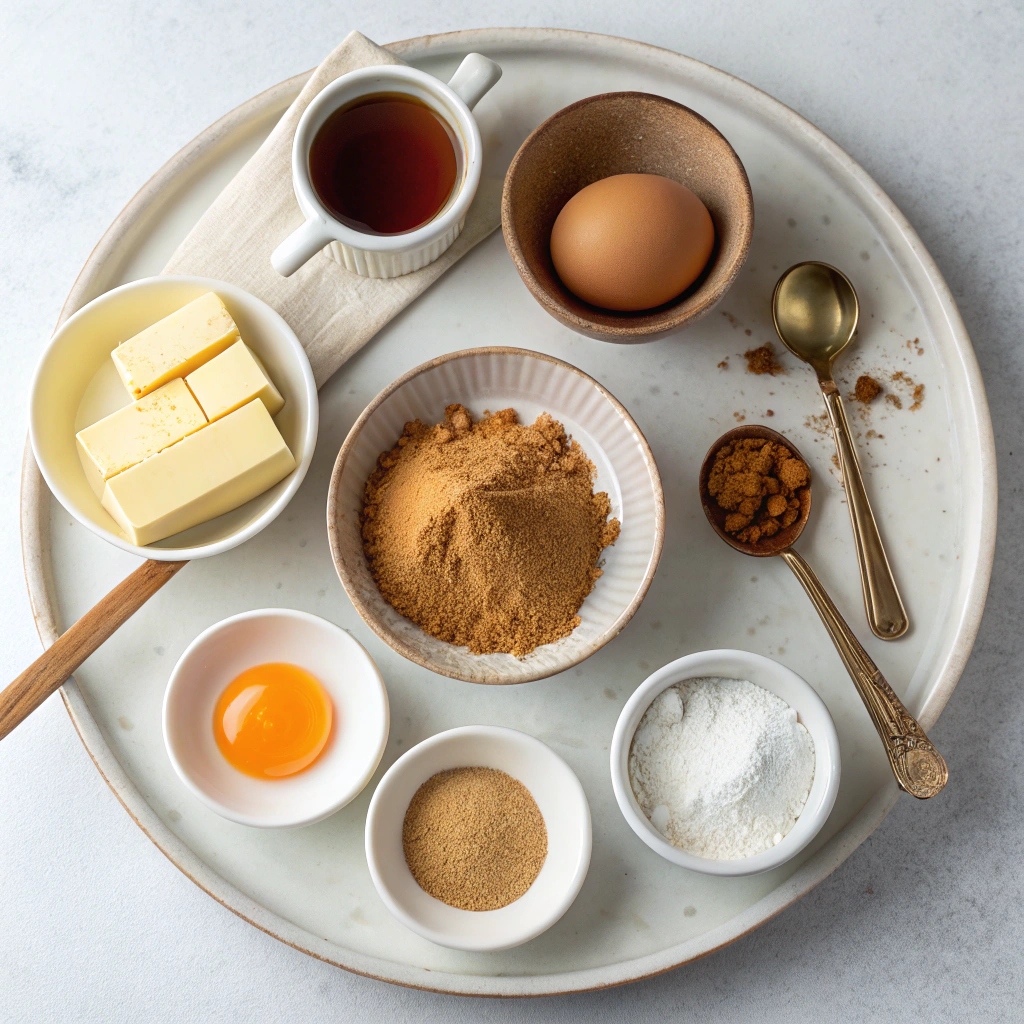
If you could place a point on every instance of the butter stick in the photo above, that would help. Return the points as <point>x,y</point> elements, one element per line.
<point>231,380</point>
<point>203,476</point>
<point>126,437</point>
<point>175,346</point>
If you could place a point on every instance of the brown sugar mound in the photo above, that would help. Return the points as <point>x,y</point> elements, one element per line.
<point>762,360</point>
<point>486,535</point>
<point>760,484</point>
<point>867,389</point>
<point>474,838</point>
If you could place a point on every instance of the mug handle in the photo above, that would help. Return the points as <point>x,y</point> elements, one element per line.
<point>300,246</point>
<point>475,77</point>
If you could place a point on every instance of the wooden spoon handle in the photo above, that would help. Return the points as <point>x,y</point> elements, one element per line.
<point>58,662</point>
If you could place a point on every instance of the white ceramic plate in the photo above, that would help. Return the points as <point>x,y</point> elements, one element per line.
<point>76,384</point>
<point>931,478</point>
<point>531,383</point>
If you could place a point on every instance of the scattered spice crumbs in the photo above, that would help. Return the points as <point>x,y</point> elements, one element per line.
<point>894,400</point>
<point>819,424</point>
<point>867,389</point>
<point>762,360</point>
<point>916,390</point>
<point>724,364</point>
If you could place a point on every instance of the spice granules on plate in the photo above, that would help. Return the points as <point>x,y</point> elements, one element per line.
<point>762,360</point>
<point>474,838</point>
<point>486,535</point>
<point>867,389</point>
<point>759,483</point>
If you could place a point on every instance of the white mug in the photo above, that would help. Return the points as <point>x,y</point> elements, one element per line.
<point>389,255</point>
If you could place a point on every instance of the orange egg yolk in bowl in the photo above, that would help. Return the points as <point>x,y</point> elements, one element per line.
<point>273,720</point>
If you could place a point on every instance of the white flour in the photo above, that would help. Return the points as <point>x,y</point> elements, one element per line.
<point>721,767</point>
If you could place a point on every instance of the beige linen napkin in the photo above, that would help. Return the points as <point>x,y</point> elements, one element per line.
<point>333,311</point>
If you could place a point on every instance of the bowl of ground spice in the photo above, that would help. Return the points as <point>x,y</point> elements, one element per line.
<point>495,515</point>
<point>479,838</point>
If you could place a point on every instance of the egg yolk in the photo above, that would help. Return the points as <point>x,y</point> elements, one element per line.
<point>273,720</point>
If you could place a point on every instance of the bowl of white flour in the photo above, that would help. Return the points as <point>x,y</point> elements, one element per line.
<point>725,762</point>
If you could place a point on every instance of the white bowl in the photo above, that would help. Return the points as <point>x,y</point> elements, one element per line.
<point>76,384</point>
<point>348,674</point>
<point>560,799</point>
<point>811,713</point>
<point>490,379</point>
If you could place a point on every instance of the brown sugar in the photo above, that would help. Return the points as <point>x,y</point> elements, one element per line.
<point>867,389</point>
<point>762,360</point>
<point>474,838</point>
<point>486,535</point>
<point>760,484</point>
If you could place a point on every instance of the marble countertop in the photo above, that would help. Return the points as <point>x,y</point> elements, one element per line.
<point>923,921</point>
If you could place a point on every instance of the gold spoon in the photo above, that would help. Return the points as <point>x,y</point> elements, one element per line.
<point>919,768</point>
<point>815,310</point>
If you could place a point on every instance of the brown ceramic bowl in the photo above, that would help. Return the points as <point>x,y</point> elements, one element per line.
<point>623,133</point>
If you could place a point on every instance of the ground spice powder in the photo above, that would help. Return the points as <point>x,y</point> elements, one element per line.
<point>760,484</point>
<point>474,838</point>
<point>486,535</point>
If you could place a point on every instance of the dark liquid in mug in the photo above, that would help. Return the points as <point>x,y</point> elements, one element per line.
<point>384,165</point>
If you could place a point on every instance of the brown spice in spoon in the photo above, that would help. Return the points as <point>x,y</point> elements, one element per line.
<point>759,483</point>
<point>486,535</point>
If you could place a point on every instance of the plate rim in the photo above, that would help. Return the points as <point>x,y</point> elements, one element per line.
<point>34,503</point>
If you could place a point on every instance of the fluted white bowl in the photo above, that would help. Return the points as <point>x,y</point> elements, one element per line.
<point>531,383</point>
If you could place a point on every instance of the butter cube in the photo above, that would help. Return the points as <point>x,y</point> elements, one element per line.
<point>175,346</point>
<point>203,476</point>
<point>120,440</point>
<point>231,380</point>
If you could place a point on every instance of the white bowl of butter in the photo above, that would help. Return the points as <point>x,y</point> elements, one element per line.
<point>110,481</point>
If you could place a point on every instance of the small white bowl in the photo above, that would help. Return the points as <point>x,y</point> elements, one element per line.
<point>485,379</point>
<point>348,674</point>
<point>783,682</point>
<point>76,384</point>
<point>560,799</point>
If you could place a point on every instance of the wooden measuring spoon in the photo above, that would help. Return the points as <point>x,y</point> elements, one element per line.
<point>918,767</point>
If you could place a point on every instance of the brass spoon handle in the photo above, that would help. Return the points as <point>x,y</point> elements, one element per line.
<point>886,615</point>
<point>919,768</point>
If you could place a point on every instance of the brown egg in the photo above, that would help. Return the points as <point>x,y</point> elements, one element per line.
<point>631,241</point>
